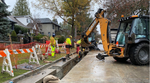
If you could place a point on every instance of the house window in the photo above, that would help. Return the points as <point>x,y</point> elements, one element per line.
<point>53,32</point>
<point>28,20</point>
<point>49,33</point>
<point>40,25</point>
<point>42,33</point>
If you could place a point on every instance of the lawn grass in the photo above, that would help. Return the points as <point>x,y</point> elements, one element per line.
<point>20,59</point>
<point>5,76</point>
<point>50,58</point>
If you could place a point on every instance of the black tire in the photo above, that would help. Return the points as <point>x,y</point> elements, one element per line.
<point>121,59</point>
<point>139,55</point>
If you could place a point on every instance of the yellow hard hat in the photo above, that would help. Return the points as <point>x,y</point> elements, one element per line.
<point>83,49</point>
<point>70,36</point>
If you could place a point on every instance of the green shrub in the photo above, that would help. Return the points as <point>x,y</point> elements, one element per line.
<point>23,29</point>
<point>38,37</point>
<point>14,36</point>
<point>61,39</point>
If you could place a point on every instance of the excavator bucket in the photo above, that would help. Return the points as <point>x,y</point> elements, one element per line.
<point>84,43</point>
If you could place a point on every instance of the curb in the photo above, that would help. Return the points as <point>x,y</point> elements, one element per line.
<point>27,74</point>
<point>32,71</point>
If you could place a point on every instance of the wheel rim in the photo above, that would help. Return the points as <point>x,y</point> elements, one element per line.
<point>143,54</point>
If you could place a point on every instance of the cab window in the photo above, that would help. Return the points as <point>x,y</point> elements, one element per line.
<point>125,27</point>
<point>139,28</point>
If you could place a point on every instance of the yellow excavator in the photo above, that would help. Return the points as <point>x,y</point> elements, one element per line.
<point>131,42</point>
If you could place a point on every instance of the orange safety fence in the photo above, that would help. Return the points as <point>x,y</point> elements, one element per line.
<point>2,46</point>
<point>18,46</point>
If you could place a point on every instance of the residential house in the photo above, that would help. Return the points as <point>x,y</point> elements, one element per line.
<point>27,22</point>
<point>113,33</point>
<point>12,23</point>
<point>47,27</point>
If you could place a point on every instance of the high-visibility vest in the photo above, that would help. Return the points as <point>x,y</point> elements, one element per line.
<point>52,41</point>
<point>68,41</point>
<point>79,41</point>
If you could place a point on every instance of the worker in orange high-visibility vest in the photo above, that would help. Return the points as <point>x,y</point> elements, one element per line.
<point>52,44</point>
<point>68,46</point>
<point>78,45</point>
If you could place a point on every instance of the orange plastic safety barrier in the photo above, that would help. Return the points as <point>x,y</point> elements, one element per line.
<point>19,51</point>
<point>2,54</point>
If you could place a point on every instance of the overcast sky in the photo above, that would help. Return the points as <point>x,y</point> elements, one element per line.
<point>36,13</point>
<point>41,14</point>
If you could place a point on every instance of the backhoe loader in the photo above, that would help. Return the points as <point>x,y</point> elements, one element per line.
<point>131,42</point>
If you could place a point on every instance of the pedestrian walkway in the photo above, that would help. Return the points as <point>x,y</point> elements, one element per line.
<point>92,70</point>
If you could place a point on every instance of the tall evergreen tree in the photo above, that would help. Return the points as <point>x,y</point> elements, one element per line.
<point>21,8</point>
<point>4,23</point>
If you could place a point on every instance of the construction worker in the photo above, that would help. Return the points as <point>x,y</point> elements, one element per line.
<point>68,46</point>
<point>52,44</point>
<point>78,45</point>
<point>80,54</point>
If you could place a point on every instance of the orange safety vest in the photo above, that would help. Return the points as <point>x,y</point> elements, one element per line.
<point>68,41</point>
<point>52,41</point>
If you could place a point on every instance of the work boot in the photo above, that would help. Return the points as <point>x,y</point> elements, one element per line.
<point>69,56</point>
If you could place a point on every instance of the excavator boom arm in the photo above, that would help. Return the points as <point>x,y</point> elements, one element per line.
<point>103,28</point>
<point>91,28</point>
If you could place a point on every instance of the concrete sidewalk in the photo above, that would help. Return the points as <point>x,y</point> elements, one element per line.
<point>92,70</point>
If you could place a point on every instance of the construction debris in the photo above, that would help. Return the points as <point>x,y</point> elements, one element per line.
<point>51,79</point>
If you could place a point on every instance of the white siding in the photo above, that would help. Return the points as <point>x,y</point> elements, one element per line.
<point>23,20</point>
<point>113,35</point>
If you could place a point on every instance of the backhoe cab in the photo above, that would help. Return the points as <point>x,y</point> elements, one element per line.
<point>132,39</point>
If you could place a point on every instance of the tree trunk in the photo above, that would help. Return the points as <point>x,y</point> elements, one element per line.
<point>72,33</point>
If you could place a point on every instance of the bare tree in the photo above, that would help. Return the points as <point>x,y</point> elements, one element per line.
<point>65,9</point>
<point>116,8</point>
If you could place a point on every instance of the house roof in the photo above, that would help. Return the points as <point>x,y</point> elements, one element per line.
<point>9,19</point>
<point>13,18</point>
<point>45,21</point>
